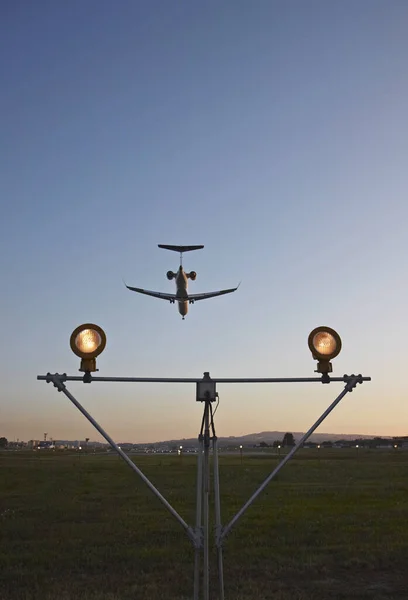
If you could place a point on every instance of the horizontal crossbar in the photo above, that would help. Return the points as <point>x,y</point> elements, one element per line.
<point>64,377</point>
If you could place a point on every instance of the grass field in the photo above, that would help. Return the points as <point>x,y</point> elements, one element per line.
<point>86,528</point>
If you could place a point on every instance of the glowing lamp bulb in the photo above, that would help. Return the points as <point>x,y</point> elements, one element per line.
<point>324,343</point>
<point>88,340</point>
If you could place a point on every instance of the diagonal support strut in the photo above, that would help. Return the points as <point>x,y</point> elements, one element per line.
<point>350,385</point>
<point>62,388</point>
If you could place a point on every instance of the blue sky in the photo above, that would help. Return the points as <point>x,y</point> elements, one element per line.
<point>274,133</point>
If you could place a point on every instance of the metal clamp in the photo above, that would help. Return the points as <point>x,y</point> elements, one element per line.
<point>352,381</point>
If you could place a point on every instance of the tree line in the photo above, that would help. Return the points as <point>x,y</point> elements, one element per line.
<point>288,440</point>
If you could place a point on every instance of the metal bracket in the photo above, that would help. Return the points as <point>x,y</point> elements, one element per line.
<point>352,381</point>
<point>206,389</point>
<point>57,380</point>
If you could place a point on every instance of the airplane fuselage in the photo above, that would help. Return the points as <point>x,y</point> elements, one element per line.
<point>181,293</point>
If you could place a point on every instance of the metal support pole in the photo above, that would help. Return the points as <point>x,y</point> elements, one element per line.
<point>61,387</point>
<point>198,525</point>
<point>348,388</point>
<point>206,493</point>
<point>217,502</point>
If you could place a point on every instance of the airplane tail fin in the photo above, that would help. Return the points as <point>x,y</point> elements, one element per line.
<point>180,249</point>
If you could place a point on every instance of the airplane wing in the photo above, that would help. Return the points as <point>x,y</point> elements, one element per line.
<point>170,297</point>
<point>194,297</point>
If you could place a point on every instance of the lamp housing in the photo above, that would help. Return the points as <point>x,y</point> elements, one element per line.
<point>88,341</point>
<point>324,344</point>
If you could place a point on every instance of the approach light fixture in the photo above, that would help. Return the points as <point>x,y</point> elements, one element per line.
<point>88,341</point>
<point>324,344</point>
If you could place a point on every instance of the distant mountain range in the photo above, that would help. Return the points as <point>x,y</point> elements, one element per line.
<point>269,437</point>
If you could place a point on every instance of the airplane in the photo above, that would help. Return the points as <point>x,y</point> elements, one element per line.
<point>182,297</point>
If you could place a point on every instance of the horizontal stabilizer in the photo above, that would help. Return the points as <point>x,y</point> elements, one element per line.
<point>180,248</point>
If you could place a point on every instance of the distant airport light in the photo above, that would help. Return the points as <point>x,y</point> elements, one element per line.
<point>324,344</point>
<point>88,341</point>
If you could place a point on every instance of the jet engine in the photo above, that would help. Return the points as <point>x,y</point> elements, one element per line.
<point>170,275</point>
<point>192,275</point>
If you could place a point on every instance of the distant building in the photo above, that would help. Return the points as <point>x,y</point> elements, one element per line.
<point>46,445</point>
